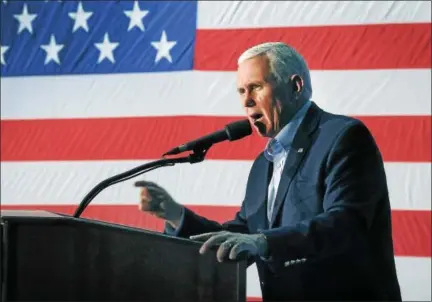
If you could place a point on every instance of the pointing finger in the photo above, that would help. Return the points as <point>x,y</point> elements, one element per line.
<point>149,185</point>
<point>144,183</point>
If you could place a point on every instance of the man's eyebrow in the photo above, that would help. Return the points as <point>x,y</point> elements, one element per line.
<point>258,82</point>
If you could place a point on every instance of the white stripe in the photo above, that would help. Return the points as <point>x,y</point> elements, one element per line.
<point>375,92</point>
<point>414,278</point>
<point>254,14</point>
<point>209,183</point>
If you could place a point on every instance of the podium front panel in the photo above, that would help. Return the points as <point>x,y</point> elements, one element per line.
<point>67,259</point>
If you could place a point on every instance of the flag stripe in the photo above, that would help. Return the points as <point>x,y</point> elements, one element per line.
<point>381,46</point>
<point>414,276</point>
<point>68,182</point>
<point>364,92</point>
<point>253,14</point>
<point>414,240</point>
<point>400,138</point>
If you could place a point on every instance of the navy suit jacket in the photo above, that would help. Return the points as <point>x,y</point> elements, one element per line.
<point>330,237</point>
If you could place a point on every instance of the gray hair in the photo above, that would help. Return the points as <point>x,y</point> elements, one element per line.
<point>284,61</point>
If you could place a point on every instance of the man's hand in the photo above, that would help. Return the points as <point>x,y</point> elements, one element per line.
<point>156,201</point>
<point>234,244</point>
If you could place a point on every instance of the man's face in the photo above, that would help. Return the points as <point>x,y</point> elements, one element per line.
<point>257,96</point>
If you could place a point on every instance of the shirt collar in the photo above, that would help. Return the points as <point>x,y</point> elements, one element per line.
<point>283,140</point>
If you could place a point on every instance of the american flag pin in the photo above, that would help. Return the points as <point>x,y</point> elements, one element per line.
<point>300,150</point>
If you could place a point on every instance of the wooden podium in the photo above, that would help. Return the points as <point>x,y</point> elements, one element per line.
<point>53,257</point>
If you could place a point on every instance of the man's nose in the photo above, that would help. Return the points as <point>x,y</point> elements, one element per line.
<point>249,102</point>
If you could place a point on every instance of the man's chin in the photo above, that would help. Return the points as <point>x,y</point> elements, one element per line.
<point>261,129</point>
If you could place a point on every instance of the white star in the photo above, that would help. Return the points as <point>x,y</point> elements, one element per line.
<point>3,51</point>
<point>136,15</point>
<point>80,17</point>
<point>5,2</point>
<point>106,49</point>
<point>52,50</point>
<point>163,48</point>
<point>25,20</point>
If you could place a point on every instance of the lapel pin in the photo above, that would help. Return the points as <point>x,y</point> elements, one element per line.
<point>300,150</point>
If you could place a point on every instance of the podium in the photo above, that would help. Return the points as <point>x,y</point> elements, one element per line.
<point>52,257</point>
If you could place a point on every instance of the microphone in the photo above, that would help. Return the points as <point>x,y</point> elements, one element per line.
<point>231,132</point>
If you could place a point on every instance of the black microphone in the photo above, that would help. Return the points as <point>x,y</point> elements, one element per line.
<point>231,132</point>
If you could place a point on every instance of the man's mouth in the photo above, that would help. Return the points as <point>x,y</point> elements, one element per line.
<point>256,117</point>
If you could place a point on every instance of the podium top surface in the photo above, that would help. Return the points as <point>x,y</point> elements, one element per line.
<point>41,217</point>
<point>28,213</point>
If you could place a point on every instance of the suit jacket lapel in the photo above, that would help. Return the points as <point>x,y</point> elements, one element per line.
<point>300,146</point>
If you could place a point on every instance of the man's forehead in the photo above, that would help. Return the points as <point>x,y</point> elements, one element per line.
<point>250,79</point>
<point>252,70</point>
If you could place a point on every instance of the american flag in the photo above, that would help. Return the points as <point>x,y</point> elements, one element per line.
<point>90,89</point>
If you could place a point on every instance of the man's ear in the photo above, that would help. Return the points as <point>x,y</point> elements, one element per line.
<point>297,83</point>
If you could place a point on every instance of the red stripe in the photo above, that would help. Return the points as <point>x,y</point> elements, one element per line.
<point>411,229</point>
<point>400,138</point>
<point>381,46</point>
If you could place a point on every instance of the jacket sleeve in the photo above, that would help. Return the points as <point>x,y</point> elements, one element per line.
<point>355,184</point>
<point>194,224</point>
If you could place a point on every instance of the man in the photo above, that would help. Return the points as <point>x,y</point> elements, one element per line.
<point>316,213</point>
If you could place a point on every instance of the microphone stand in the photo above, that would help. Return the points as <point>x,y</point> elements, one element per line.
<point>197,156</point>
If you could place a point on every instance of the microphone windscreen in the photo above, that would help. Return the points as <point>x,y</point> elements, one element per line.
<point>238,129</point>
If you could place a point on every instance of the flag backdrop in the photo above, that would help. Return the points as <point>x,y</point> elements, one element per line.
<point>89,90</point>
